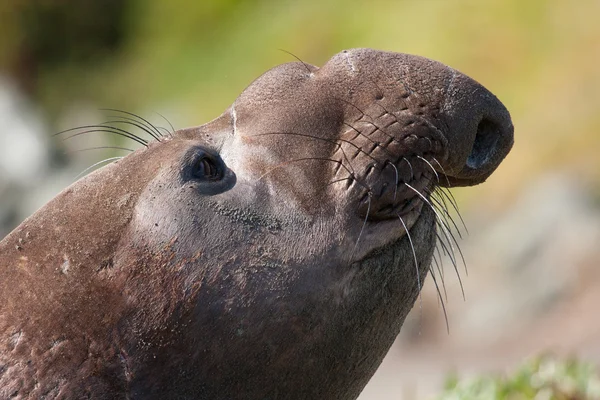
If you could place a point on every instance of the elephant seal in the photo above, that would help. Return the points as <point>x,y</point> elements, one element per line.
<point>271,253</point>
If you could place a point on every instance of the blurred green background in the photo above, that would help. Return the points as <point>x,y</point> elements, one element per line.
<point>63,60</point>
<point>188,60</point>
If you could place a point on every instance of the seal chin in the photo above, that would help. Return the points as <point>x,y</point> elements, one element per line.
<point>394,231</point>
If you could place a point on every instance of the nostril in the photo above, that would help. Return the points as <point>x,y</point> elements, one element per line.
<point>479,131</point>
<point>486,141</point>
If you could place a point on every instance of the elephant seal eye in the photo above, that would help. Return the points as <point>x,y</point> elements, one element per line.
<point>205,168</point>
<point>204,171</point>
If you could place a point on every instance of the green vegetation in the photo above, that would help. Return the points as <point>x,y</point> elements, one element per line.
<point>542,378</point>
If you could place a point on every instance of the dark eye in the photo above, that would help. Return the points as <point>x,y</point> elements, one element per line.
<point>207,169</point>
<point>204,171</point>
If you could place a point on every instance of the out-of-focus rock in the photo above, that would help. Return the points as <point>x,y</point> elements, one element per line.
<point>24,155</point>
<point>23,140</point>
<point>536,253</point>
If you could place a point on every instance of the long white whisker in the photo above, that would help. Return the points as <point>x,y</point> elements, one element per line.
<point>416,267</point>
<point>98,163</point>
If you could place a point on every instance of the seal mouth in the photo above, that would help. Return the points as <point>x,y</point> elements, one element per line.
<point>393,211</point>
<point>398,165</point>
<point>393,194</point>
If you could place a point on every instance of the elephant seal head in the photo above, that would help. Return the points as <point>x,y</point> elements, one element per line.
<point>271,253</point>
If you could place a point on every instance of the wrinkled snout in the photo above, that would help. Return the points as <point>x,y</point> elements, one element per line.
<point>480,132</point>
<point>384,128</point>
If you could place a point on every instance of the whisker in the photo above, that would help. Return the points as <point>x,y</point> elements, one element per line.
<point>367,138</point>
<point>453,262</point>
<point>314,159</point>
<point>445,249</point>
<point>431,166</point>
<point>448,194</point>
<point>445,229</point>
<point>412,172</point>
<point>444,208</point>
<point>441,195</point>
<point>441,300</point>
<point>148,123</point>
<point>388,162</point>
<point>438,265</point>
<point>439,256</point>
<point>349,169</point>
<point>168,122</point>
<point>362,228</point>
<point>339,180</point>
<point>378,144</point>
<point>164,131</point>
<point>100,148</point>
<point>449,231</point>
<point>103,128</point>
<point>334,142</point>
<point>298,58</point>
<point>98,163</point>
<point>443,170</point>
<point>442,224</point>
<point>368,122</point>
<point>417,117</point>
<point>416,267</point>
<point>132,122</point>
<point>426,201</point>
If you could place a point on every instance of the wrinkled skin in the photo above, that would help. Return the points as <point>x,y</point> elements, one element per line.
<point>287,273</point>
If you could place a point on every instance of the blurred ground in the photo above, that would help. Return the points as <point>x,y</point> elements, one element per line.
<point>533,287</point>
<point>532,253</point>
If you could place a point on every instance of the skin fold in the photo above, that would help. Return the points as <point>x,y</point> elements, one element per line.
<point>262,255</point>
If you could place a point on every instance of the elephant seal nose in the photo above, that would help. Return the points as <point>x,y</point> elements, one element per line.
<point>479,128</point>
